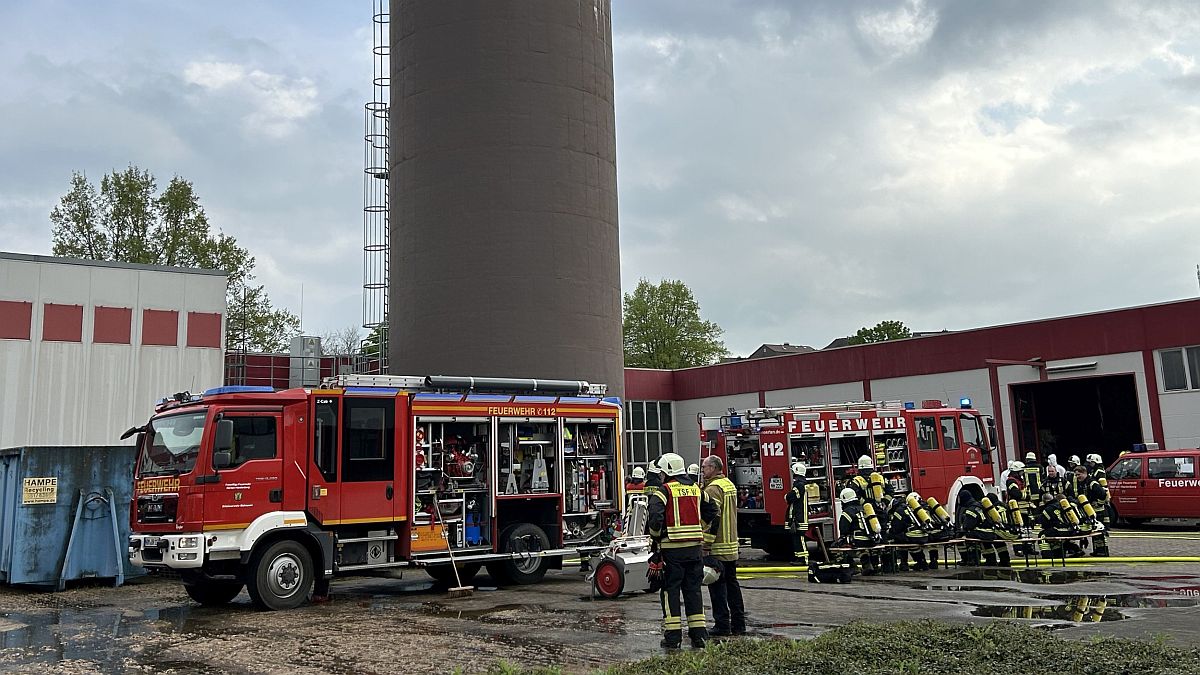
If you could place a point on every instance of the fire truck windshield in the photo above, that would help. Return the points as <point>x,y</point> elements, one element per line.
<point>171,445</point>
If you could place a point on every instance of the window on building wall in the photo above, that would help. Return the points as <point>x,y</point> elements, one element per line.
<point>1180,368</point>
<point>648,434</point>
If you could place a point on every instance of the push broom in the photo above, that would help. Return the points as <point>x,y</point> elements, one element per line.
<point>458,591</point>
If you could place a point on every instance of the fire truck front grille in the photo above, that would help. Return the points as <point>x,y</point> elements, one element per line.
<point>157,508</point>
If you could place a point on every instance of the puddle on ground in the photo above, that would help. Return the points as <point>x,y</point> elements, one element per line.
<point>92,634</point>
<point>1085,608</point>
<point>1028,576</point>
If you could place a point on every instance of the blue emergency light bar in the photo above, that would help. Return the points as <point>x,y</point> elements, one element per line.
<point>964,402</point>
<point>239,389</point>
<point>909,405</point>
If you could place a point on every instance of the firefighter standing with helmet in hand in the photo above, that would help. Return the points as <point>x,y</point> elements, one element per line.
<point>678,513</point>
<point>729,611</point>
<point>797,513</point>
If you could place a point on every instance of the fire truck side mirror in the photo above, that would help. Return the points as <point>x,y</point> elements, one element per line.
<point>991,425</point>
<point>223,445</point>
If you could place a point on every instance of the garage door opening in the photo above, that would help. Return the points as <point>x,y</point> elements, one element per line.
<point>1077,417</point>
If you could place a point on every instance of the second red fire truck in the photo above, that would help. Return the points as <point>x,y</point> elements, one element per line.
<point>278,491</point>
<point>930,448</point>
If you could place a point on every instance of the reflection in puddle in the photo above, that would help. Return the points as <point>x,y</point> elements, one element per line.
<point>1029,576</point>
<point>1085,608</point>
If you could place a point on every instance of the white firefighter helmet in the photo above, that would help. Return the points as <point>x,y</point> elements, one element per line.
<point>1018,466</point>
<point>865,462</point>
<point>1030,456</point>
<point>672,464</point>
<point>711,574</point>
<point>1074,459</point>
<point>1095,458</point>
<point>847,495</point>
<point>914,495</point>
<point>799,469</point>
<point>1012,464</point>
<point>639,472</point>
<point>694,469</point>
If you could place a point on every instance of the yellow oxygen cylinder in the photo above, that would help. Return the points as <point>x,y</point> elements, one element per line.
<point>989,509</point>
<point>877,486</point>
<point>1069,511</point>
<point>872,519</point>
<point>1086,507</point>
<point>1018,518</point>
<point>1104,484</point>
<point>1097,613</point>
<point>918,508</point>
<point>937,509</point>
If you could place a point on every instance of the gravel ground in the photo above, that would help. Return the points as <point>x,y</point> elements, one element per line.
<point>405,625</point>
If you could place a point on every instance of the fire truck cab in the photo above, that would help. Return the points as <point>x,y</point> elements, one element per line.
<point>932,449</point>
<point>279,491</point>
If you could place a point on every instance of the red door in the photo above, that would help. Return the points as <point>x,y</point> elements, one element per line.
<point>1172,489</point>
<point>954,460</point>
<point>368,487</point>
<point>252,485</point>
<point>925,453</point>
<point>1127,487</point>
<point>324,496</point>
<point>775,472</point>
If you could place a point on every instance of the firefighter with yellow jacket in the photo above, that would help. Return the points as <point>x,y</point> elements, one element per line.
<point>729,611</point>
<point>797,513</point>
<point>679,514</point>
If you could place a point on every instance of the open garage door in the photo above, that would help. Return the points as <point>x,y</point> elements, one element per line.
<point>1077,417</point>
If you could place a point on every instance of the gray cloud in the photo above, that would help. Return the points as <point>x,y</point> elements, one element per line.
<point>808,168</point>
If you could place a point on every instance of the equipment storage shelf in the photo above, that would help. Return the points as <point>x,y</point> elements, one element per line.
<point>896,469</point>
<point>451,464</point>
<point>811,450</point>
<point>527,457</point>
<point>745,469</point>
<point>591,499</point>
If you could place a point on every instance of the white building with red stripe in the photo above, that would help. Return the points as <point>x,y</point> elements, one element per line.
<point>88,347</point>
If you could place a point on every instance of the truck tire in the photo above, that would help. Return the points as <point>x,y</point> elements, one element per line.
<point>444,576</point>
<point>212,593</point>
<point>280,576</point>
<point>522,537</point>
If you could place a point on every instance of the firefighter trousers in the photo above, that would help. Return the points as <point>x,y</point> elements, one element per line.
<point>729,611</point>
<point>799,545</point>
<point>684,575</point>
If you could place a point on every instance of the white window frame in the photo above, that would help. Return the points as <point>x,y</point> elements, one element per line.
<point>1186,354</point>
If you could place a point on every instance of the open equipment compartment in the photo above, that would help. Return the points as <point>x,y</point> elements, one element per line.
<point>591,501</point>
<point>452,459</point>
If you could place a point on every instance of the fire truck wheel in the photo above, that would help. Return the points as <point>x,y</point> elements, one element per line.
<point>281,576</point>
<point>212,593</point>
<point>521,538</point>
<point>609,580</point>
<point>443,575</point>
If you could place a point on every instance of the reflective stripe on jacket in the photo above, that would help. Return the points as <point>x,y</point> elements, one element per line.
<point>682,526</point>
<point>725,544</point>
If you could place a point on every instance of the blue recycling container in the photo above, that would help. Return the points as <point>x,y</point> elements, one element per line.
<point>64,514</point>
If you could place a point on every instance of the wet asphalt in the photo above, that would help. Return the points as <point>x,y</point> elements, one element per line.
<point>402,623</point>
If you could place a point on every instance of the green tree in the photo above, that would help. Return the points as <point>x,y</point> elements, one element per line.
<point>881,332</point>
<point>663,329</point>
<point>125,220</point>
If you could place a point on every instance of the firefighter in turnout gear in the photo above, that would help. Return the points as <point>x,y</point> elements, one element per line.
<point>859,529</point>
<point>1055,523</point>
<point>1018,501</point>
<point>980,522</point>
<point>797,513</point>
<point>1033,479</point>
<point>637,482</point>
<point>679,514</point>
<point>905,528</point>
<point>1094,503</point>
<point>729,611</point>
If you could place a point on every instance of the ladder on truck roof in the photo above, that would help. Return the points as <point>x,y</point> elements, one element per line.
<point>451,383</point>
<point>756,415</point>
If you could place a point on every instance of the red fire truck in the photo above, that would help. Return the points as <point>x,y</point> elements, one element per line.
<point>933,449</point>
<point>279,491</point>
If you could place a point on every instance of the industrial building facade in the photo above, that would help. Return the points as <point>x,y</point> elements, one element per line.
<point>88,347</point>
<point>1072,385</point>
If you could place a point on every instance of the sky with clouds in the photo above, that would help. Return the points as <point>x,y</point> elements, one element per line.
<point>807,168</point>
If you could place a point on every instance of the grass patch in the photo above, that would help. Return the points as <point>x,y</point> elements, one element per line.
<point>922,647</point>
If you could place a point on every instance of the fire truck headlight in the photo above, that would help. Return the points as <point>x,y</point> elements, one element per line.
<point>187,556</point>
<point>189,542</point>
<point>964,403</point>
